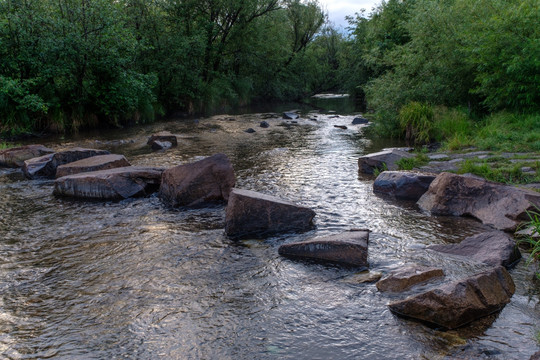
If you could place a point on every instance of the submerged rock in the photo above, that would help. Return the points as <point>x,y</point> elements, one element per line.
<point>407,277</point>
<point>383,160</point>
<point>350,248</point>
<point>111,184</point>
<point>359,121</point>
<point>250,213</point>
<point>250,130</point>
<point>46,165</point>
<point>500,206</point>
<point>15,157</point>
<point>264,124</point>
<point>94,163</point>
<point>158,141</point>
<point>207,180</point>
<point>343,127</point>
<point>460,302</point>
<point>403,184</point>
<point>493,248</point>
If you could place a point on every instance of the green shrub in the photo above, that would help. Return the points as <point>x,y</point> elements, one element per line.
<point>533,242</point>
<point>411,163</point>
<point>416,120</point>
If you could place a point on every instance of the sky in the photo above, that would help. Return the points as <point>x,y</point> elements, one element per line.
<point>338,9</point>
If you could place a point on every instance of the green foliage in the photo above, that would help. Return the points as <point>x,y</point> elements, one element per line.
<point>532,240</point>
<point>414,162</point>
<point>503,172</point>
<point>416,120</point>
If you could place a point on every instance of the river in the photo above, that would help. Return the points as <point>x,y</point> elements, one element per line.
<point>137,280</point>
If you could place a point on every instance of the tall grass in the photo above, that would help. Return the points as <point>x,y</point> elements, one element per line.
<point>532,240</point>
<point>416,119</point>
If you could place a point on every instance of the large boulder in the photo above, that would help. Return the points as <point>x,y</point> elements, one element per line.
<point>250,213</point>
<point>382,160</point>
<point>15,157</point>
<point>350,248</point>
<point>46,165</point>
<point>162,140</point>
<point>493,248</point>
<point>207,180</point>
<point>407,277</point>
<point>458,303</point>
<point>500,206</point>
<point>406,185</point>
<point>94,163</point>
<point>111,184</point>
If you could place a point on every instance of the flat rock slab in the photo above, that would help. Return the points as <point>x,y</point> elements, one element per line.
<point>405,185</point>
<point>111,184</point>
<point>493,248</point>
<point>162,140</point>
<point>204,181</point>
<point>94,163</point>
<point>460,302</point>
<point>45,166</point>
<point>383,160</point>
<point>407,277</point>
<point>500,206</point>
<point>350,248</point>
<point>252,214</point>
<point>15,157</point>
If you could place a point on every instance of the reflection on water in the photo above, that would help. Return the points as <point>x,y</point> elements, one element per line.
<point>136,279</point>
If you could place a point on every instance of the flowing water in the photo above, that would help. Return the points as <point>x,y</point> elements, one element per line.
<point>135,279</point>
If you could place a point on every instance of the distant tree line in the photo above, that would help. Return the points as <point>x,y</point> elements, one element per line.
<point>71,64</point>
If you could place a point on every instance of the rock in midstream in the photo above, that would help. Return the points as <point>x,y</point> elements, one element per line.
<point>349,248</point>
<point>460,302</point>
<point>111,184</point>
<point>15,157</point>
<point>407,277</point>
<point>197,183</point>
<point>406,185</point>
<point>46,165</point>
<point>493,248</point>
<point>252,214</point>
<point>94,163</point>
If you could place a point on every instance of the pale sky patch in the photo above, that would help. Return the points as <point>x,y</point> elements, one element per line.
<point>338,9</point>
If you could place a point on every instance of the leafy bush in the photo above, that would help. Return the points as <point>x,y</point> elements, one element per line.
<point>416,120</point>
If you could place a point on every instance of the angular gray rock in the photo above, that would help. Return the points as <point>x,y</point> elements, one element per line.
<point>15,157</point>
<point>493,248</point>
<point>161,138</point>
<point>383,160</point>
<point>406,185</point>
<point>460,302</point>
<point>111,184</point>
<point>94,163</point>
<point>290,115</point>
<point>407,277</point>
<point>500,206</point>
<point>45,166</point>
<point>207,180</point>
<point>349,248</point>
<point>251,214</point>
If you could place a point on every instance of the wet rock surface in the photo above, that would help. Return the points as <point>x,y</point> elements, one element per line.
<point>383,160</point>
<point>112,184</point>
<point>162,140</point>
<point>494,248</point>
<point>207,180</point>
<point>15,157</point>
<point>500,206</point>
<point>460,302</point>
<point>94,163</point>
<point>407,277</point>
<point>45,166</point>
<point>403,184</point>
<point>349,248</point>
<point>252,214</point>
